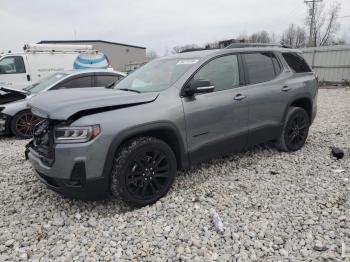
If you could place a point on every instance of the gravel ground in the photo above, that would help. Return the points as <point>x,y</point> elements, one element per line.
<point>274,207</point>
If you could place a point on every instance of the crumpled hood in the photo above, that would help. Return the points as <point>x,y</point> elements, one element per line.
<point>11,95</point>
<point>13,90</point>
<point>74,103</point>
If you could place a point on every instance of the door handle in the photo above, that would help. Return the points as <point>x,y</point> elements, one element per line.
<point>28,77</point>
<point>239,97</point>
<point>286,88</point>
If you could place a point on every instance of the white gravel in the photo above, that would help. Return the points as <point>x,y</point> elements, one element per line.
<point>274,206</point>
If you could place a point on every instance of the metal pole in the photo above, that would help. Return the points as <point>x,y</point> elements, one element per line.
<point>312,22</point>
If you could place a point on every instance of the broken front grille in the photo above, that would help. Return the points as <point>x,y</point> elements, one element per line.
<point>43,141</point>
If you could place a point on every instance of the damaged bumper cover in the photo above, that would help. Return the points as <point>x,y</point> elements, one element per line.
<point>70,182</point>
<point>67,168</point>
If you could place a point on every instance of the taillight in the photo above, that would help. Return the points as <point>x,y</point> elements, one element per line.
<point>316,76</point>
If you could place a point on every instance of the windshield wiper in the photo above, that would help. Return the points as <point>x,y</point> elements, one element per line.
<point>130,90</point>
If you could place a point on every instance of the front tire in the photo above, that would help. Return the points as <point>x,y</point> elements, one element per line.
<point>144,170</point>
<point>23,123</point>
<point>295,130</point>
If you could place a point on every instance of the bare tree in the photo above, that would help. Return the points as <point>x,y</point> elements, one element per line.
<point>260,37</point>
<point>179,49</point>
<point>294,36</point>
<point>150,55</point>
<point>326,25</point>
<point>212,45</point>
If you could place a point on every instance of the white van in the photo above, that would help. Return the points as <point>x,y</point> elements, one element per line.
<point>18,70</point>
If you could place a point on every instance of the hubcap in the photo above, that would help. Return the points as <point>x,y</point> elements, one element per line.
<point>297,131</point>
<point>148,174</point>
<point>25,124</point>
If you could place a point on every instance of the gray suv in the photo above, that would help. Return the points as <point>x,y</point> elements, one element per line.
<point>129,140</point>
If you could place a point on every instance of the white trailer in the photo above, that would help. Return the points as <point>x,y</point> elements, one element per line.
<point>18,70</point>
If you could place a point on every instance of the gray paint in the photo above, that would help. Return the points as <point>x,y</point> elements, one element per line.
<point>121,56</point>
<point>213,119</point>
<point>331,63</point>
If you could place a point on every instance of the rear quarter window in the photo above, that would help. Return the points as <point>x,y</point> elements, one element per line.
<point>297,63</point>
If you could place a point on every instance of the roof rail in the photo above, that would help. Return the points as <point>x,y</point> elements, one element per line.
<point>242,45</point>
<point>196,49</point>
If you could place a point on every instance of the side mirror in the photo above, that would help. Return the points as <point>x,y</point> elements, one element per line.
<point>198,87</point>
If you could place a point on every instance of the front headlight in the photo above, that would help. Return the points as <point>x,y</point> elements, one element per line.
<point>70,134</point>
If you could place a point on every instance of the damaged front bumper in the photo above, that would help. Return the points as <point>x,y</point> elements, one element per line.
<point>69,180</point>
<point>68,169</point>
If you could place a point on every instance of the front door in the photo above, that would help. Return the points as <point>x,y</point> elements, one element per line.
<point>217,122</point>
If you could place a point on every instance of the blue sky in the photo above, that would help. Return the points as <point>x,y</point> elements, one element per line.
<point>155,24</point>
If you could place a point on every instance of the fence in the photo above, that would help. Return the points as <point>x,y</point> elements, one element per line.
<point>331,63</point>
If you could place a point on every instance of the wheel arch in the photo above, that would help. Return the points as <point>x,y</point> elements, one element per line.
<point>164,131</point>
<point>302,101</point>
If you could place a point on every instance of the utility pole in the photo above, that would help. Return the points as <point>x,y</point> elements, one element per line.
<point>312,20</point>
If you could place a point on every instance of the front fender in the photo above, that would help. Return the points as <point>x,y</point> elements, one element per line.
<point>140,130</point>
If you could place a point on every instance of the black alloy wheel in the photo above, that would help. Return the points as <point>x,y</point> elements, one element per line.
<point>148,173</point>
<point>144,170</point>
<point>295,130</point>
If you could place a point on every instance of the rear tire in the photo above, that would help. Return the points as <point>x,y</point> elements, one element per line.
<point>23,123</point>
<point>295,130</point>
<point>144,170</point>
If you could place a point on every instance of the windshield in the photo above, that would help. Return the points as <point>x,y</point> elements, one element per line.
<point>45,83</point>
<point>156,76</point>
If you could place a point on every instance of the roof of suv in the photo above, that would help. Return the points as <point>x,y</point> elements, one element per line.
<point>211,52</point>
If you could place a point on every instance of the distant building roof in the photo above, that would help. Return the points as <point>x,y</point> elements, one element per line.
<point>85,41</point>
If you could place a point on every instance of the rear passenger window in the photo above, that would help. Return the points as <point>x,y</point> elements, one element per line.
<point>105,80</point>
<point>297,63</point>
<point>222,72</point>
<point>85,81</point>
<point>260,67</point>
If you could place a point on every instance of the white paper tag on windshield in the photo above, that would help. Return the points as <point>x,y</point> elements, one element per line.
<point>188,62</point>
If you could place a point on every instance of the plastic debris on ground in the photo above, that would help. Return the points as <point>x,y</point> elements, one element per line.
<point>217,222</point>
<point>337,153</point>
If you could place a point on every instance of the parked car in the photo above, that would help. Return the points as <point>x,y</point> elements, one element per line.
<point>18,70</point>
<point>15,116</point>
<point>170,114</point>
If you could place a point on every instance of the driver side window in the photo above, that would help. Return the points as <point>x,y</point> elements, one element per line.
<point>12,65</point>
<point>222,72</point>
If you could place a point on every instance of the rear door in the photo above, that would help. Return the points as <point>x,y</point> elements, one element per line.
<point>217,122</point>
<point>267,100</point>
<point>13,72</point>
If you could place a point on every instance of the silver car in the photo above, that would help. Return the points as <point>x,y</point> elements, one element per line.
<point>170,114</point>
<point>15,116</point>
